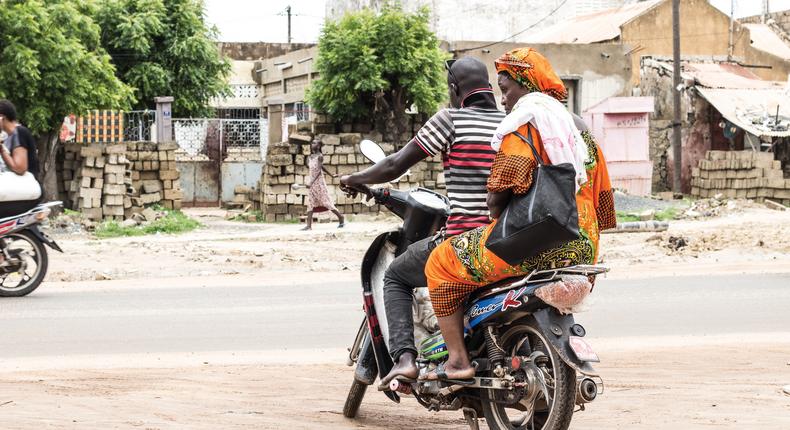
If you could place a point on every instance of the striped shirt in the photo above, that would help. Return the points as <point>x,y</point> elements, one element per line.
<point>463,137</point>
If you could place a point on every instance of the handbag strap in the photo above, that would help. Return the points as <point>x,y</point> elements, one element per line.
<point>528,139</point>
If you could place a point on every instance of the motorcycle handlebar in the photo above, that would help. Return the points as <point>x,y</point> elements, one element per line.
<point>377,194</point>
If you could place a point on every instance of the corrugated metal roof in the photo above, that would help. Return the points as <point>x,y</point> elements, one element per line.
<point>596,27</point>
<point>753,110</point>
<point>766,40</point>
<point>724,75</point>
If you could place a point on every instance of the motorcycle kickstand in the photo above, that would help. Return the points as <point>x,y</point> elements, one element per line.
<point>471,418</point>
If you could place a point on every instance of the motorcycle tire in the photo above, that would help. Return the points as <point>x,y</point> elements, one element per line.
<point>42,260</point>
<point>561,410</point>
<point>354,399</point>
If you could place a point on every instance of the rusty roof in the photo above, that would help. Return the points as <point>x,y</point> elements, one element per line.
<point>761,112</point>
<point>766,40</point>
<point>725,75</point>
<point>596,27</point>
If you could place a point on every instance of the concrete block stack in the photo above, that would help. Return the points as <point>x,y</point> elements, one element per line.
<point>155,178</point>
<point>741,174</point>
<point>284,194</point>
<point>246,198</point>
<point>113,182</point>
<point>95,180</point>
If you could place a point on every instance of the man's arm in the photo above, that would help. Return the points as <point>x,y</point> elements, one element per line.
<point>16,161</point>
<point>392,167</point>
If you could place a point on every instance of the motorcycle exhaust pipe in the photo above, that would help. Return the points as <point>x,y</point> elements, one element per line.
<point>587,391</point>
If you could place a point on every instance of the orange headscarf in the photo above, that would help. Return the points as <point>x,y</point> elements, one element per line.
<point>533,71</point>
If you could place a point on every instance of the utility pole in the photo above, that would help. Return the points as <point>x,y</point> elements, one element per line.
<point>676,150</point>
<point>288,11</point>
<point>766,10</point>
<point>732,28</point>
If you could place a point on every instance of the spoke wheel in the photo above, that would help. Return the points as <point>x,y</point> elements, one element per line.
<point>25,264</point>
<point>532,408</point>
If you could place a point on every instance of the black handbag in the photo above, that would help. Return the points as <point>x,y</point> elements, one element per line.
<point>545,217</point>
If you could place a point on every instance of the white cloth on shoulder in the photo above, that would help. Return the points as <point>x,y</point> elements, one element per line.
<point>15,187</point>
<point>561,139</point>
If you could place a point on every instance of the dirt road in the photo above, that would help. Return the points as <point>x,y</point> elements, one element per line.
<point>661,386</point>
<point>719,378</point>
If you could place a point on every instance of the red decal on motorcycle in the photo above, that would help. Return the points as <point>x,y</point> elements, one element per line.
<point>7,226</point>
<point>511,300</point>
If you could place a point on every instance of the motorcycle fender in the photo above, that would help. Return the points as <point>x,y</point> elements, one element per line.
<point>552,322</point>
<point>44,238</point>
<point>379,348</point>
<point>366,369</point>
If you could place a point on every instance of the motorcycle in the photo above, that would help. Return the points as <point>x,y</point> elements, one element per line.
<point>25,260</point>
<point>533,367</point>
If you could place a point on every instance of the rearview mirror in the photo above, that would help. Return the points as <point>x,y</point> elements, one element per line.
<point>372,151</point>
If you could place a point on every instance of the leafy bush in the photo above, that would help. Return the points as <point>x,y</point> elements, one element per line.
<point>173,222</point>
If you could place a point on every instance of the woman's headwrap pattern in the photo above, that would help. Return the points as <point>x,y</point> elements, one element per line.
<point>533,71</point>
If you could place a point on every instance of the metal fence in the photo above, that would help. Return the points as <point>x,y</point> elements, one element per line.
<point>212,137</point>
<point>139,126</point>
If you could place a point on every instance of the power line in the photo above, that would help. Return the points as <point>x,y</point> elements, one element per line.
<point>517,33</point>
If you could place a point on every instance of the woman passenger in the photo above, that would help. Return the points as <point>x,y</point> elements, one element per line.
<point>531,94</point>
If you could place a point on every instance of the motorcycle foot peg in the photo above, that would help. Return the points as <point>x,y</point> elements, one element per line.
<point>400,387</point>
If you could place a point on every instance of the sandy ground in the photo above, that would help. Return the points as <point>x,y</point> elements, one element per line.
<point>751,240</point>
<point>650,383</point>
<point>669,384</point>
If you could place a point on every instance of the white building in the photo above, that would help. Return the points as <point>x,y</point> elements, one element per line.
<point>485,20</point>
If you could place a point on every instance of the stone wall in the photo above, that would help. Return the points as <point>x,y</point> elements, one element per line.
<point>251,51</point>
<point>284,195</point>
<point>741,174</point>
<point>115,181</point>
<point>778,21</point>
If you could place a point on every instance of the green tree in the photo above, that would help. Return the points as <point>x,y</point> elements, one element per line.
<point>53,65</point>
<point>165,47</point>
<point>376,66</point>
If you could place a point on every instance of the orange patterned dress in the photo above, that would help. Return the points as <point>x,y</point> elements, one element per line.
<point>462,264</point>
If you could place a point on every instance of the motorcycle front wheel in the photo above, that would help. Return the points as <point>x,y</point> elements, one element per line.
<point>505,410</point>
<point>24,265</point>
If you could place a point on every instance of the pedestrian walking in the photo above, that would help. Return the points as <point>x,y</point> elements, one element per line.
<point>318,198</point>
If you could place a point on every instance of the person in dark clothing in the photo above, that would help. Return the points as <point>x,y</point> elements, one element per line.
<point>462,135</point>
<point>19,156</point>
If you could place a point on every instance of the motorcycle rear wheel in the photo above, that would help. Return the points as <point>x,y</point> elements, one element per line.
<point>28,246</point>
<point>559,411</point>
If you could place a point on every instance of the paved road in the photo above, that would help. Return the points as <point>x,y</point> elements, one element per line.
<point>161,319</point>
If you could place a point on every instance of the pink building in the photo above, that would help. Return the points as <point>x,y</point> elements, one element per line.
<point>620,125</point>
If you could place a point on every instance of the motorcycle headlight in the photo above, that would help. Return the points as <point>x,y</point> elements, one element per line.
<point>565,294</point>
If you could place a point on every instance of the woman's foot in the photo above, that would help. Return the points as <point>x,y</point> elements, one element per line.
<point>446,371</point>
<point>306,228</point>
<point>341,225</point>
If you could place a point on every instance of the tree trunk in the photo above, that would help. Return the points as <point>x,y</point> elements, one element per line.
<point>390,116</point>
<point>48,145</point>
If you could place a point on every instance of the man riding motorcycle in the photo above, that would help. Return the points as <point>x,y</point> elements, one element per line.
<point>462,134</point>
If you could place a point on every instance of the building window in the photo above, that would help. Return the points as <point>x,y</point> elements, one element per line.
<point>573,102</point>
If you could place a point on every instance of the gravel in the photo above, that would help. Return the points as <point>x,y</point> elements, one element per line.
<point>630,204</point>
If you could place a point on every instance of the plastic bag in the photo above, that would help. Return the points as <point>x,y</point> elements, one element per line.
<point>566,294</point>
<point>15,187</point>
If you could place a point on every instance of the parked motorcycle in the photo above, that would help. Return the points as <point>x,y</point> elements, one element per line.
<point>25,260</point>
<point>532,363</point>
